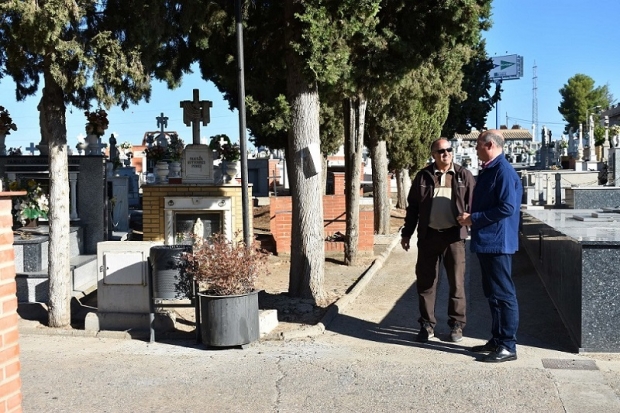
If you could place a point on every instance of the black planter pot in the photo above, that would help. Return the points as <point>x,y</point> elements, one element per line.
<point>165,265</point>
<point>228,321</point>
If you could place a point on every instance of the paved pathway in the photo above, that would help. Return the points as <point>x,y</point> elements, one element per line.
<point>365,361</point>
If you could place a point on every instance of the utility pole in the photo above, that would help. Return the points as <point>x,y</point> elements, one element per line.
<point>534,101</point>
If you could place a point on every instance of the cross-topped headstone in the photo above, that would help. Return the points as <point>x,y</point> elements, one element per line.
<point>195,111</point>
<point>31,148</point>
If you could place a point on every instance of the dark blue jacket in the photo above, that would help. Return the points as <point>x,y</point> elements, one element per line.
<point>495,209</point>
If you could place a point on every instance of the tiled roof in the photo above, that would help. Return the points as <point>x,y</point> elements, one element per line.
<point>509,135</point>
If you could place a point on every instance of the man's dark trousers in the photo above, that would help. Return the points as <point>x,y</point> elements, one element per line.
<point>446,246</point>
<point>500,291</point>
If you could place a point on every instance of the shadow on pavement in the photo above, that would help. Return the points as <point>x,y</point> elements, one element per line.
<point>540,324</point>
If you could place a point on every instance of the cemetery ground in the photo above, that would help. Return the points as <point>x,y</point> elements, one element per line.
<point>293,313</point>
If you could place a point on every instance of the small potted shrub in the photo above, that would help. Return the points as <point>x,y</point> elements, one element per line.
<point>226,272</point>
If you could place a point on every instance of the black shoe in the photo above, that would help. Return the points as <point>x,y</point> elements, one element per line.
<point>456,334</point>
<point>500,355</point>
<point>426,332</point>
<point>489,347</point>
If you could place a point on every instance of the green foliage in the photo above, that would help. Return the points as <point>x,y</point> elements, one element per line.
<point>599,135</point>
<point>33,205</point>
<point>227,151</point>
<point>104,51</point>
<point>6,122</point>
<point>175,149</point>
<point>410,114</point>
<point>471,112</point>
<point>580,98</point>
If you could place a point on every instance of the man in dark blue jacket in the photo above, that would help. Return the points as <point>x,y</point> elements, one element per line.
<point>494,222</point>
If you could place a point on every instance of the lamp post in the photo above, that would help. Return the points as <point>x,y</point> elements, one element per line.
<point>245,200</point>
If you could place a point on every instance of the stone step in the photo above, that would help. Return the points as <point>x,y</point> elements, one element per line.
<point>33,286</point>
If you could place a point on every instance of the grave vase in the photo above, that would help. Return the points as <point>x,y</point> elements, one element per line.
<point>162,171</point>
<point>31,223</point>
<point>81,146</point>
<point>93,146</point>
<point>175,170</point>
<point>231,171</point>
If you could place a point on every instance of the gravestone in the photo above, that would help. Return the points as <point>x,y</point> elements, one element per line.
<point>197,158</point>
<point>133,184</point>
<point>87,190</point>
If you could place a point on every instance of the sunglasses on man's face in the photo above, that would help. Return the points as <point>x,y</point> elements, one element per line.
<point>442,151</point>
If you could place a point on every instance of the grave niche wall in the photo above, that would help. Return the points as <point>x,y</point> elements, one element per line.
<point>90,189</point>
<point>576,262</point>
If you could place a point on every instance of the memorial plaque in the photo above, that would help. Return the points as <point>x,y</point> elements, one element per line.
<point>197,164</point>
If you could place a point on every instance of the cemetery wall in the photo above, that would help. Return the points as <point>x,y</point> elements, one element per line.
<point>10,381</point>
<point>334,218</point>
<point>153,219</point>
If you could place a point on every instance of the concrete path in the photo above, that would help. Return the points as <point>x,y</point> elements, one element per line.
<point>366,361</point>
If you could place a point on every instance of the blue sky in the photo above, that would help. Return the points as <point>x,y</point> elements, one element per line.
<point>131,124</point>
<point>562,38</point>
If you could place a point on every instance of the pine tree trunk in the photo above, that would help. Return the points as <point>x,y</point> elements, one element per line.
<point>354,118</point>
<point>380,182</point>
<point>307,237</point>
<point>60,287</point>
<point>403,184</point>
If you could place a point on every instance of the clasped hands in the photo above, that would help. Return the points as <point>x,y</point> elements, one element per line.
<point>464,219</point>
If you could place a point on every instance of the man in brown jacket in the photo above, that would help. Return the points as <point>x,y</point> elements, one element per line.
<point>439,193</point>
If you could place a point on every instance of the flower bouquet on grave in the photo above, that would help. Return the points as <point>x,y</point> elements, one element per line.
<point>175,149</point>
<point>96,121</point>
<point>15,151</point>
<point>156,153</point>
<point>6,122</point>
<point>32,206</point>
<point>227,151</point>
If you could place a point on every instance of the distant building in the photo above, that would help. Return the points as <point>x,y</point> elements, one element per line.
<point>613,113</point>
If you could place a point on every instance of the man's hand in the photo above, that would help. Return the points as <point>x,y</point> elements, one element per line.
<point>404,242</point>
<point>464,219</point>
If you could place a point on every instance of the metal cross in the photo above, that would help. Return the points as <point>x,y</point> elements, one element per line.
<point>162,122</point>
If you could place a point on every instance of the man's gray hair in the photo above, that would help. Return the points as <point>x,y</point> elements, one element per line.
<point>496,137</point>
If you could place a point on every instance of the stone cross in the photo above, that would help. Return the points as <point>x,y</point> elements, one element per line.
<point>31,148</point>
<point>195,111</point>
